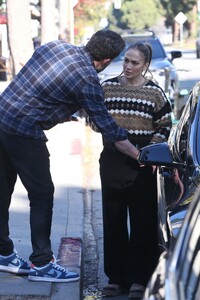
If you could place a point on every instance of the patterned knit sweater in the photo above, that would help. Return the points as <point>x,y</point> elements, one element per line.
<point>143,110</point>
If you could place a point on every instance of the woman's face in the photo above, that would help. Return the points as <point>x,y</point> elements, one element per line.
<point>133,64</point>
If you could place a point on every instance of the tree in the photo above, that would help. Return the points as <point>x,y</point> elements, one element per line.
<point>134,15</point>
<point>19,33</point>
<point>88,13</point>
<point>63,8</point>
<point>172,8</point>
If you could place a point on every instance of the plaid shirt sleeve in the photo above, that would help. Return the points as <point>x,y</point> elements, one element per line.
<point>92,100</point>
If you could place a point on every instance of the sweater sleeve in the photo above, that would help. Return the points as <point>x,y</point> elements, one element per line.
<point>92,100</point>
<point>162,118</point>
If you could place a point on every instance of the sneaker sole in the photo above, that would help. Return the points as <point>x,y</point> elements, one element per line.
<point>50,279</point>
<point>14,270</point>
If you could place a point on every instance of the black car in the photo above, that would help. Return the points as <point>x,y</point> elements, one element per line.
<point>162,68</point>
<point>177,276</point>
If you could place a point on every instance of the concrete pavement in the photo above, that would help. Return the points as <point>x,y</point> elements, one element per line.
<point>65,147</point>
<point>65,144</point>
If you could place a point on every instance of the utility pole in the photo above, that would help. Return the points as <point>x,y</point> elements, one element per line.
<point>70,15</point>
<point>66,20</point>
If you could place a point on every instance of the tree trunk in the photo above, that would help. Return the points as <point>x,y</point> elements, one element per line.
<point>19,33</point>
<point>63,8</point>
<point>193,25</point>
<point>49,30</point>
<point>176,32</point>
<point>66,19</point>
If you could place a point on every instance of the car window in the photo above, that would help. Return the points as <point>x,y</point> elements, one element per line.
<point>189,120</point>
<point>157,49</point>
<point>181,136</point>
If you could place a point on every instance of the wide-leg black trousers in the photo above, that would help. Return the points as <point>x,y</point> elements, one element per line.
<point>130,224</point>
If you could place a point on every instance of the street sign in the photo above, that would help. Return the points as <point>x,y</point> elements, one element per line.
<point>117,4</point>
<point>181,18</point>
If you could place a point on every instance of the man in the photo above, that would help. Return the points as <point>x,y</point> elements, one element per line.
<point>56,82</point>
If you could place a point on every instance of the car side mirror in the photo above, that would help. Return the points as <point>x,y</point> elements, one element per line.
<point>175,54</point>
<point>156,154</point>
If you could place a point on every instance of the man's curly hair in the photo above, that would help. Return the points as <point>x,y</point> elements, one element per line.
<point>105,44</point>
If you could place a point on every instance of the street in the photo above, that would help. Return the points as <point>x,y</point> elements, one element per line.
<point>188,71</point>
<point>188,68</point>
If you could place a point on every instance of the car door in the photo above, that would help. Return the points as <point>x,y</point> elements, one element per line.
<point>182,280</point>
<point>176,186</point>
<point>177,275</point>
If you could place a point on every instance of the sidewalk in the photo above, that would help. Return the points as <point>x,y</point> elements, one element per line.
<point>67,227</point>
<point>65,144</point>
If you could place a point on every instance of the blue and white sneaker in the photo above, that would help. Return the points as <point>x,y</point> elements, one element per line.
<point>52,272</point>
<point>14,264</point>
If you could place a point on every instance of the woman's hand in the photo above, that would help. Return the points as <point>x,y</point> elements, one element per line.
<point>154,169</point>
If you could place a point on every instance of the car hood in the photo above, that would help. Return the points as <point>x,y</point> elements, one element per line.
<point>114,69</point>
<point>161,64</point>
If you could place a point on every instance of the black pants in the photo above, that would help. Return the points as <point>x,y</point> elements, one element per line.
<point>130,251</point>
<point>29,159</point>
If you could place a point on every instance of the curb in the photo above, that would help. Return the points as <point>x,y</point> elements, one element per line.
<point>69,253</point>
<point>70,256</point>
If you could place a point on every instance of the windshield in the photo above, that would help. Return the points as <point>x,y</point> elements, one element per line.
<point>157,49</point>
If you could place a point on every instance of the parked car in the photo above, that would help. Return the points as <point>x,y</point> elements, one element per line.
<point>177,275</point>
<point>162,68</point>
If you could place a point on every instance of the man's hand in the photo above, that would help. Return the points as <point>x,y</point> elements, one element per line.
<point>127,148</point>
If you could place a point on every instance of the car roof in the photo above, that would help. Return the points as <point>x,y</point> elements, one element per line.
<point>158,51</point>
<point>139,35</point>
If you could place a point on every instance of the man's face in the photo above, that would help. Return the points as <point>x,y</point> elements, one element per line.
<point>102,65</point>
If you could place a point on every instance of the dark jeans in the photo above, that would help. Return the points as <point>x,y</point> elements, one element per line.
<point>131,251</point>
<point>29,159</point>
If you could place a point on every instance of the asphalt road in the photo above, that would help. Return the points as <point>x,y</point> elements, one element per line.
<point>188,67</point>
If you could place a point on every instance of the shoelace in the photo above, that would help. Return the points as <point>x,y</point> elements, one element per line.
<point>58,267</point>
<point>20,258</point>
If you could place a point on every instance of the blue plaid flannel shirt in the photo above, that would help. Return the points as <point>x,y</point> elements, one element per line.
<point>57,81</point>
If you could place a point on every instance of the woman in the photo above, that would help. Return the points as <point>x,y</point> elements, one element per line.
<point>129,192</point>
